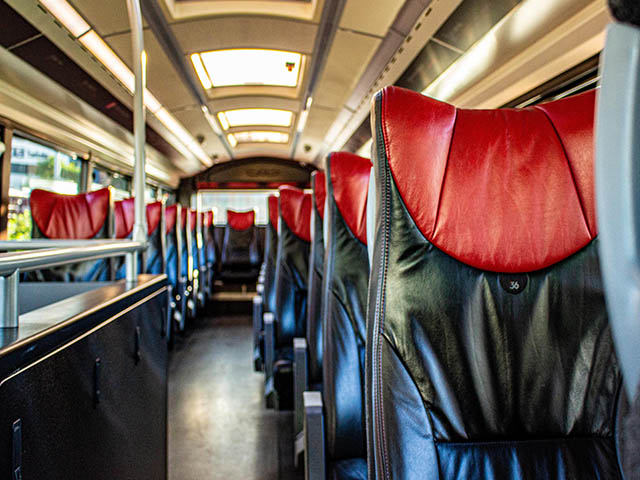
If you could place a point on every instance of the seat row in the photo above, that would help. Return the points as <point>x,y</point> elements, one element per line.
<point>439,312</point>
<point>181,243</point>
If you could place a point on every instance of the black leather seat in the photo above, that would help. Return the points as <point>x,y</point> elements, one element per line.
<point>316,267</point>
<point>240,256</point>
<point>211,254</point>
<point>346,271</point>
<point>292,269</point>
<point>190,260</point>
<point>490,350</point>
<point>173,259</point>
<point>73,217</point>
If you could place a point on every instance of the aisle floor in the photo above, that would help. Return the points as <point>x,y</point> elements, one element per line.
<point>219,427</point>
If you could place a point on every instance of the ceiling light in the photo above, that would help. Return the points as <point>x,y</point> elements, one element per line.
<point>201,71</point>
<point>232,140</point>
<point>223,120</point>
<point>249,66</point>
<point>108,58</point>
<point>261,137</point>
<point>151,102</point>
<point>182,134</point>
<point>210,120</point>
<point>258,116</point>
<point>303,120</point>
<point>66,14</point>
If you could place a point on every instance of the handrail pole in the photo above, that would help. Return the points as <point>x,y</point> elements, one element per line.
<point>139,66</point>
<point>9,300</point>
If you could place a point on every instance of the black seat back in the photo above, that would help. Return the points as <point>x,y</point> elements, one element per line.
<point>316,267</point>
<point>490,350</point>
<point>270,255</point>
<point>73,217</point>
<point>346,277</point>
<point>239,254</point>
<point>292,264</point>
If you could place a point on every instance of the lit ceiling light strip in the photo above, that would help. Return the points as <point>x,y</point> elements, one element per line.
<point>67,16</point>
<point>223,120</point>
<point>232,140</point>
<point>257,136</point>
<point>98,47</point>
<point>244,117</point>
<point>201,71</point>
<point>210,120</point>
<point>248,66</point>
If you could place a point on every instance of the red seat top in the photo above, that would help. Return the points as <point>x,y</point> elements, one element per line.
<point>273,211</point>
<point>124,211</point>
<point>240,220</point>
<point>295,211</point>
<point>320,190</point>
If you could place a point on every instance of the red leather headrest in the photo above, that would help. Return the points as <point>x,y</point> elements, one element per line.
<point>193,218</point>
<point>208,218</point>
<point>273,211</point>
<point>500,190</point>
<point>350,182</point>
<point>170,215</point>
<point>70,216</point>
<point>319,182</point>
<point>295,211</point>
<point>124,212</point>
<point>154,213</point>
<point>240,220</point>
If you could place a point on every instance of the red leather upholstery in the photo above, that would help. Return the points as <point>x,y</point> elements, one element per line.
<point>240,220</point>
<point>208,218</point>
<point>510,226</point>
<point>124,212</point>
<point>69,216</point>
<point>350,179</point>
<point>170,214</point>
<point>321,190</point>
<point>273,211</point>
<point>296,211</point>
<point>154,212</point>
<point>193,218</point>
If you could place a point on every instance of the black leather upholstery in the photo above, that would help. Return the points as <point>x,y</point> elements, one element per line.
<point>316,267</point>
<point>240,256</point>
<point>346,275</point>
<point>270,256</point>
<point>470,380</point>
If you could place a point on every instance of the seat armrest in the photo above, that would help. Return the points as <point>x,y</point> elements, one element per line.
<point>269,357</point>
<point>300,381</point>
<point>314,441</point>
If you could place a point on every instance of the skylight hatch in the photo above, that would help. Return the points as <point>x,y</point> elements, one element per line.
<point>255,136</point>
<point>247,67</point>
<point>255,116</point>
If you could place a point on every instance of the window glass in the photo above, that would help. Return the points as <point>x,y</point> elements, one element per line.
<point>240,200</point>
<point>121,184</point>
<point>150,193</point>
<point>34,165</point>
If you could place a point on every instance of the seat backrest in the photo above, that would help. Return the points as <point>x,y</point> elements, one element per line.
<point>240,242</point>
<point>172,222</point>
<point>190,250</point>
<point>346,278</point>
<point>316,267</point>
<point>292,264</point>
<point>490,349</point>
<point>270,255</point>
<point>124,213</point>
<point>210,242</point>
<point>74,217</point>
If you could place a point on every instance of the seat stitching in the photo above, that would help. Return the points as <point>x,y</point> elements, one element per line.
<point>571,173</point>
<point>444,175</point>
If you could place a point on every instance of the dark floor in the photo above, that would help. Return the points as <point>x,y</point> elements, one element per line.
<point>218,425</point>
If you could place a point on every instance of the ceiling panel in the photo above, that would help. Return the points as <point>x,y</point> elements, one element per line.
<point>194,121</point>
<point>106,16</point>
<point>349,56</point>
<point>320,119</point>
<point>162,79</point>
<point>432,60</point>
<point>228,32</point>
<point>361,16</point>
<point>254,102</point>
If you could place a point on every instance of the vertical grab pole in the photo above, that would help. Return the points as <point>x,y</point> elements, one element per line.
<point>139,180</point>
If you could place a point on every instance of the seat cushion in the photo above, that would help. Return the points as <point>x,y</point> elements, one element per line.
<point>349,469</point>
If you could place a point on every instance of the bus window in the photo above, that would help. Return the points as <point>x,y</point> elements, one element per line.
<point>240,200</point>
<point>150,193</point>
<point>34,165</point>
<point>121,184</point>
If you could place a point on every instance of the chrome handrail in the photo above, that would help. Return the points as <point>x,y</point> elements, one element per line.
<point>34,256</point>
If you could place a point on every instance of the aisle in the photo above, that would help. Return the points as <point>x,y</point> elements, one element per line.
<point>218,426</point>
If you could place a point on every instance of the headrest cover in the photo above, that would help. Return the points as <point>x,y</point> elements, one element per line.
<point>70,216</point>
<point>319,185</point>
<point>170,214</point>
<point>124,213</point>
<point>240,220</point>
<point>295,211</point>
<point>154,212</point>
<point>273,211</point>
<point>193,218</point>
<point>208,218</point>
<point>350,183</point>
<point>500,190</point>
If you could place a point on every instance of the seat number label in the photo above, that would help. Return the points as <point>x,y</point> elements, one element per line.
<point>513,283</point>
